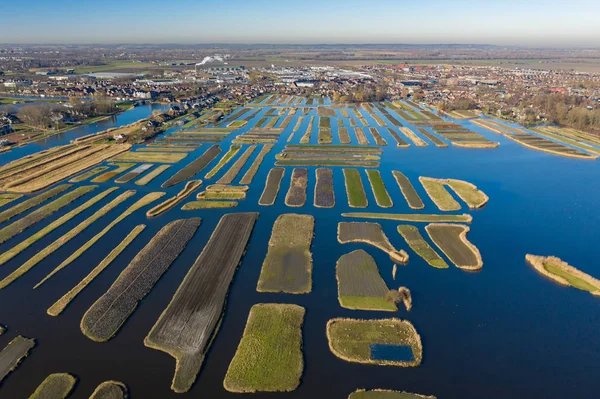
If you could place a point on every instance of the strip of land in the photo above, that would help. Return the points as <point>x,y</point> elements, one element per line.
<point>417,243</point>
<point>55,386</point>
<point>249,176</point>
<point>148,177</point>
<point>561,272</point>
<point>296,195</point>
<point>193,168</point>
<point>32,202</point>
<point>355,189</point>
<point>324,193</point>
<point>411,217</point>
<point>170,203</point>
<point>188,325</point>
<point>408,190</point>
<point>272,185</point>
<point>452,240</point>
<point>13,354</point>
<point>370,233</point>
<point>379,191</point>
<point>110,390</point>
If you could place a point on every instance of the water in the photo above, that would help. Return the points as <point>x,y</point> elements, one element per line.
<point>503,332</point>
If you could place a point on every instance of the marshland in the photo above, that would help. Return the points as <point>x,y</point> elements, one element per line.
<point>511,179</point>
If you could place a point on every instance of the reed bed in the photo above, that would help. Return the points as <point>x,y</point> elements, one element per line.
<point>88,174</point>
<point>324,193</point>
<point>185,330</point>
<point>251,172</point>
<point>344,136</point>
<point>13,354</point>
<point>23,245</point>
<point>142,181</point>
<point>401,143</point>
<point>144,201</point>
<point>353,340</point>
<point>43,212</point>
<point>411,217</point>
<point>439,195</point>
<point>156,157</point>
<point>372,234</point>
<point>110,390</point>
<point>54,246</point>
<point>55,386</point>
<point>296,127</point>
<point>288,264</point>
<point>106,316</point>
<point>417,243</point>
<point>32,202</point>
<point>296,195</point>
<point>377,136</point>
<point>127,177</point>
<point>452,240</point>
<point>233,150</point>
<point>419,142</point>
<point>193,168</point>
<point>561,272</point>
<point>269,356</point>
<point>386,394</point>
<point>467,192</point>
<point>269,194</point>
<point>305,139</point>
<point>6,199</point>
<point>59,306</point>
<point>379,191</point>
<point>120,168</point>
<point>237,166</point>
<point>551,147</point>
<point>165,149</point>
<point>436,140</point>
<point>357,198</point>
<point>196,205</point>
<point>408,190</point>
<point>360,286</point>
<point>42,179</point>
<point>170,203</point>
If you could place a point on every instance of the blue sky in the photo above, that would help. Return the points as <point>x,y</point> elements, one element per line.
<point>524,22</point>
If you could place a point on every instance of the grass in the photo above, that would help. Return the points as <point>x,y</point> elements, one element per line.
<point>233,150</point>
<point>8,198</point>
<point>351,340</point>
<point>439,195</point>
<point>324,193</point>
<point>106,316</point>
<point>296,195</point>
<point>54,246</point>
<point>13,354</point>
<point>55,386</point>
<point>288,264</point>
<point>417,243</point>
<point>195,205</point>
<point>561,272</point>
<point>269,194</point>
<point>32,202</point>
<point>170,203</point>
<point>120,168</point>
<point>385,394</point>
<point>88,174</point>
<point>155,157</point>
<point>237,166</point>
<point>360,286</point>
<point>372,234</point>
<point>269,356</point>
<point>251,172</point>
<point>144,201</point>
<point>142,181</point>
<point>43,212</point>
<point>468,192</point>
<point>411,217</point>
<point>193,168</point>
<point>381,195</point>
<point>23,245</point>
<point>185,330</point>
<point>110,390</point>
<point>60,305</point>
<point>451,239</point>
<point>355,189</point>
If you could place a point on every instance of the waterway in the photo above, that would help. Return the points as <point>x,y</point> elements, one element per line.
<point>503,332</point>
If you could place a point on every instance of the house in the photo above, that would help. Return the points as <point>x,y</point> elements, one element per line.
<point>5,129</point>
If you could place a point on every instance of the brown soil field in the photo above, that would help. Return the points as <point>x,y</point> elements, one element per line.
<point>55,386</point>
<point>13,354</point>
<point>190,322</point>
<point>272,185</point>
<point>324,193</point>
<point>451,239</point>
<point>408,190</point>
<point>249,176</point>
<point>193,168</point>
<point>170,203</point>
<point>237,166</point>
<point>296,195</point>
<point>370,233</point>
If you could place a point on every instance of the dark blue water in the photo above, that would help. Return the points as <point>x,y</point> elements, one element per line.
<point>396,353</point>
<point>503,332</point>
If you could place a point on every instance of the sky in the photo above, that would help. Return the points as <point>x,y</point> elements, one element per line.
<point>503,22</point>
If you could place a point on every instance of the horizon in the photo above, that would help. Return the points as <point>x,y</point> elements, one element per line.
<point>512,23</point>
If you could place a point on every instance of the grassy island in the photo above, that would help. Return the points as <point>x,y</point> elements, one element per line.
<point>269,356</point>
<point>296,195</point>
<point>439,195</point>
<point>360,285</point>
<point>385,342</point>
<point>561,272</point>
<point>417,243</point>
<point>288,264</point>
<point>355,189</point>
<point>385,394</point>
<point>55,386</point>
<point>379,191</point>
<point>110,390</point>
